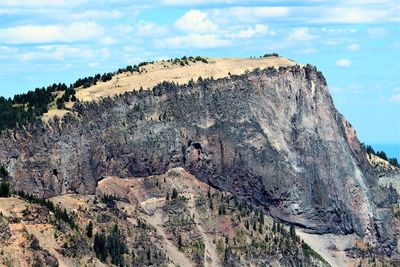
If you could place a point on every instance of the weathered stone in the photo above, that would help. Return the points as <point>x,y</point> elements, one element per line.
<point>273,136</point>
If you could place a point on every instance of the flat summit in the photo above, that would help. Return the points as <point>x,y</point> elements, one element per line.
<point>180,72</point>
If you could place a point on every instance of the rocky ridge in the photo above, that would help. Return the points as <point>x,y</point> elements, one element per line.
<point>272,136</point>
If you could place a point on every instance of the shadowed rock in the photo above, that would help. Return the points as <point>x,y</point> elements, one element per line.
<point>271,135</point>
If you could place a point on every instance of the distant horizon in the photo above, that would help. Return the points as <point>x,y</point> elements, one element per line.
<point>354,43</point>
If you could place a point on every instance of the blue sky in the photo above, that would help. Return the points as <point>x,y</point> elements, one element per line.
<point>354,42</point>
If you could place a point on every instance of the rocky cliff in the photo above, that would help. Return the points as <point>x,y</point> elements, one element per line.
<point>272,136</point>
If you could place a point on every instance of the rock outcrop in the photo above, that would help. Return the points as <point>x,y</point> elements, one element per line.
<point>273,136</point>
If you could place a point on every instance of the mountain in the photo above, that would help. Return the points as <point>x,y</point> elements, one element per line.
<point>264,130</point>
<point>198,226</point>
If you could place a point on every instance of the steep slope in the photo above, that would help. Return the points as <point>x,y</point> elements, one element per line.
<point>182,230</point>
<point>272,136</point>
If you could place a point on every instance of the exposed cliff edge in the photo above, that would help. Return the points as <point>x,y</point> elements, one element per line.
<point>273,136</point>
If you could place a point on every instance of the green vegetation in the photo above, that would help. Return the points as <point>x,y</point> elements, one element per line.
<point>309,252</point>
<point>271,55</point>
<point>4,185</point>
<point>29,107</point>
<point>255,237</point>
<point>112,245</point>
<point>100,246</point>
<point>109,200</point>
<point>4,189</point>
<point>186,60</point>
<point>3,172</point>
<point>381,154</point>
<point>59,213</point>
<point>174,194</point>
<point>89,230</point>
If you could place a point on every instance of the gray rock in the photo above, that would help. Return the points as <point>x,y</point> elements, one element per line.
<point>273,136</point>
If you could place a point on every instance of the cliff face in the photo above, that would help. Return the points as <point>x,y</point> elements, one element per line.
<point>273,136</point>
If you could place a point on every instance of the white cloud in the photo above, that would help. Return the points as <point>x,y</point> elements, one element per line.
<point>108,40</point>
<point>105,53</point>
<point>94,64</point>
<point>301,34</point>
<point>122,29</point>
<point>395,98</point>
<point>196,21</point>
<point>376,32</point>
<point>251,31</point>
<point>343,63</point>
<point>148,28</point>
<point>353,47</point>
<point>31,34</point>
<point>349,15</point>
<point>96,15</point>
<point>56,52</point>
<point>41,3</point>
<point>256,12</point>
<point>195,40</point>
<point>198,2</point>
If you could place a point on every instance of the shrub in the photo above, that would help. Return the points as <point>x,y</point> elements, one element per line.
<point>4,189</point>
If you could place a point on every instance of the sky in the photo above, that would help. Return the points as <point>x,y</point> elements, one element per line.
<point>355,43</point>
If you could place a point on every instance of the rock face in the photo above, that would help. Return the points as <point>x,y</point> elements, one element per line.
<point>273,136</point>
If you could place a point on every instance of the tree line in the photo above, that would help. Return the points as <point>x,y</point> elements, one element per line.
<point>369,149</point>
<point>28,107</point>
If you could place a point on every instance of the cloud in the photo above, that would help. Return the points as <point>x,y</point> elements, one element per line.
<point>56,52</point>
<point>395,98</point>
<point>122,29</point>
<point>251,31</point>
<point>376,32</point>
<point>231,15</point>
<point>196,21</point>
<point>343,63</point>
<point>353,47</point>
<point>41,3</point>
<point>96,15</point>
<point>148,28</point>
<point>105,53</point>
<point>33,34</point>
<point>350,15</point>
<point>195,40</point>
<point>108,40</point>
<point>201,2</point>
<point>301,34</point>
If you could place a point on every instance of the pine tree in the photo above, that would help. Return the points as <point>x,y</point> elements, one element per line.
<point>247,225</point>
<point>116,247</point>
<point>261,217</point>
<point>99,246</point>
<point>274,227</point>
<point>89,230</point>
<point>3,172</point>
<point>180,243</point>
<point>4,189</point>
<point>174,194</point>
<point>292,232</point>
